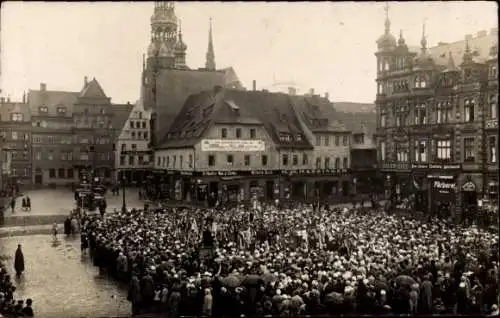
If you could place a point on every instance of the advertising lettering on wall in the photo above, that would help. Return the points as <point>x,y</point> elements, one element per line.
<point>443,184</point>
<point>214,145</point>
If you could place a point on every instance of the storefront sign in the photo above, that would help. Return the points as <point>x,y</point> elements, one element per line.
<point>469,187</point>
<point>395,165</point>
<point>443,184</point>
<point>436,166</point>
<point>313,172</point>
<point>491,124</point>
<point>214,145</point>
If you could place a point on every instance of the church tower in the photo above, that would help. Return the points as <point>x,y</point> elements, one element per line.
<point>161,50</point>
<point>210,56</point>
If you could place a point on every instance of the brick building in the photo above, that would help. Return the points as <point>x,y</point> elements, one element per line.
<point>437,119</point>
<point>71,131</point>
<point>15,142</point>
<point>235,144</point>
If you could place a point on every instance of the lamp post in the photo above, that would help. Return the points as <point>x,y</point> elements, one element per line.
<point>124,205</point>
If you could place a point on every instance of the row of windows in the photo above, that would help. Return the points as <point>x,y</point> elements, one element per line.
<point>326,140</point>
<point>443,150</point>
<point>443,114</point>
<point>16,173</point>
<point>138,124</point>
<point>141,160</point>
<point>67,140</point>
<point>139,135</point>
<point>19,155</point>
<point>14,135</point>
<point>68,156</point>
<point>165,161</point>
<point>326,163</point>
<point>61,173</point>
<point>238,133</point>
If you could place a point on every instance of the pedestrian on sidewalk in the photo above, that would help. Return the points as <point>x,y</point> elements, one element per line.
<point>28,203</point>
<point>13,204</point>
<point>54,230</point>
<point>19,261</point>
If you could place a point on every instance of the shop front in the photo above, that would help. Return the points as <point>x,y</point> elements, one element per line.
<point>442,195</point>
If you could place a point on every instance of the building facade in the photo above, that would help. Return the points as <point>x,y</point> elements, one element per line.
<point>73,133</point>
<point>235,145</point>
<point>15,143</point>
<point>437,119</point>
<point>134,155</point>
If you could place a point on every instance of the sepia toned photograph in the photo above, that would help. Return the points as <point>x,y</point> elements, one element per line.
<point>249,159</point>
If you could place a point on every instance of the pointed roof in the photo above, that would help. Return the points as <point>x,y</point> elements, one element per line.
<point>210,56</point>
<point>93,90</point>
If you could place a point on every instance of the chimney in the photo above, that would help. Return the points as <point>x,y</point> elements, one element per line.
<point>494,31</point>
<point>254,85</point>
<point>468,37</point>
<point>292,91</point>
<point>481,33</point>
<point>327,96</point>
<point>311,91</point>
<point>85,80</point>
<point>43,87</point>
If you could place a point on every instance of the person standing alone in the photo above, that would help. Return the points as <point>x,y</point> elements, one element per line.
<point>19,261</point>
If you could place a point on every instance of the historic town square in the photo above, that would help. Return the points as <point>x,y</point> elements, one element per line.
<point>140,178</point>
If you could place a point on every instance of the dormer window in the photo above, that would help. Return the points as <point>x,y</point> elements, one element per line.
<point>43,109</point>
<point>101,111</point>
<point>298,137</point>
<point>61,110</point>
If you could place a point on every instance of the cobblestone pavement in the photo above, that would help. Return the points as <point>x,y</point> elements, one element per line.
<point>60,201</point>
<point>61,282</point>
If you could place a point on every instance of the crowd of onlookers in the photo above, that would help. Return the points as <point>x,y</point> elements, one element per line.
<point>9,307</point>
<point>295,260</point>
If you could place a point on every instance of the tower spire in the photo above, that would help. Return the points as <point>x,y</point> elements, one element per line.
<point>387,23</point>
<point>210,56</point>
<point>423,41</point>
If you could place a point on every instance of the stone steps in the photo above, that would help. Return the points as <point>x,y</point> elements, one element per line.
<point>28,230</point>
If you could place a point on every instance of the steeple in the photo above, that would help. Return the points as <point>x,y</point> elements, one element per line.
<point>401,40</point>
<point>180,50</point>
<point>387,23</point>
<point>386,42</point>
<point>423,41</point>
<point>451,63</point>
<point>467,53</point>
<point>163,34</point>
<point>210,56</point>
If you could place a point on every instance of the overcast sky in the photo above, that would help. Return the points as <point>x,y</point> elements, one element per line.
<point>326,46</point>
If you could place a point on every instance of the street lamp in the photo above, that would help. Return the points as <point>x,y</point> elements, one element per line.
<point>124,206</point>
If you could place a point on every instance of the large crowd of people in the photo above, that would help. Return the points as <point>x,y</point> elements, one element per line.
<point>294,260</point>
<point>9,306</point>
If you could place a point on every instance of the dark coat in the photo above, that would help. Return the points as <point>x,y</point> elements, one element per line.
<point>19,261</point>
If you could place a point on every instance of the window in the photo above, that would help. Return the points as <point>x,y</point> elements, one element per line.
<point>493,105</point>
<point>61,173</point>
<point>124,147</point>
<point>64,156</point>
<point>43,110</point>
<point>139,134</point>
<point>337,140</point>
<point>132,126</point>
<point>284,160</point>
<point>131,160</point>
<point>401,152</point>
<point>469,153</point>
<point>420,82</point>
<point>132,134</point>
<point>318,140</point>
<point>337,163</point>
<point>134,147</point>
<point>52,173</point>
<point>84,156</point>
<point>174,161</point>
<point>37,139</point>
<point>469,105</point>
<point>304,159</point>
<point>443,149</point>
<point>295,160</point>
<point>383,120</point>
<point>145,134</point>
<point>345,141</point>
<point>61,111</point>
<point>238,132</point>
<point>223,132</point>
<point>382,150</point>
<point>70,174</point>
<point>247,160</point>
<point>38,155</point>
<point>16,117</point>
<point>211,160</point>
<point>190,161</point>
<point>420,150</point>
<point>70,155</point>
<point>139,114</point>
<point>181,161</point>
<point>26,136</point>
<point>345,163</point>
<point>443,112</point>
<point>421,114</point>
<point>51,139</point>
<point>400,115</point>
<point>51,155</point>
<point>264,160</point>
<point>168,161</point>
<point>14,135</point>
<point>229,159</point>
<point>492,141</point>
<point>327,141</point>
<point>318,163</point>
<point>327,163</point>
<point>252,133</point>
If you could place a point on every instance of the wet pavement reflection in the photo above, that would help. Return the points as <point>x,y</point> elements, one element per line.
<point>62,282</point>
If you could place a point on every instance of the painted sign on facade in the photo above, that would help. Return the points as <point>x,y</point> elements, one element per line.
<point>214,145</point>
